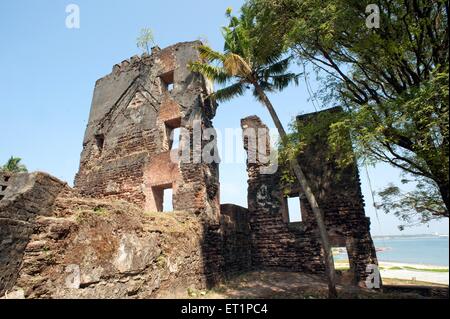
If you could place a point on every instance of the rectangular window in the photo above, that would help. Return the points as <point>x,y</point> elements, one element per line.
<point>167,80</point>
<point>340,256</point>
<point>100,141</point>
<point>175,138</point>
<point>294,210</point>
<point>173,133</point>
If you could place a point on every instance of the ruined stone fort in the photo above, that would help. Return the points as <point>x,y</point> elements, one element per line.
<point>107,236</point>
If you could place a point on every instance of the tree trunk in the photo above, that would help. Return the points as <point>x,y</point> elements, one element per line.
<point>318,214</point>
<point>444,190</point>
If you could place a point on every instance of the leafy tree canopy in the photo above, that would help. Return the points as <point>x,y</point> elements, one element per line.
<point>239,67</point>
<point>392,80</point>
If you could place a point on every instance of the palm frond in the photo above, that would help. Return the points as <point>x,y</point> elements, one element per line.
<point>214,73</point>
<point>280,82</point>
<point>229,40</point>
<point>209,54</point>
<point>230,92</point>
<point>272,59</point>
<point>277,68</point>
<point>235,65</point>
<point>267,86</point>
<point>241,62</point>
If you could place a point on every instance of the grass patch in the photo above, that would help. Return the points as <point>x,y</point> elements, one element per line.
<point>161,261</point>
<point>344,265</point>
<point>439,270</point>
<point>194,293</point>
<point>100,210</point>
<point>341,264</point>
<point>426,269</point>
<point>394,281</point>
<point>170,223</point>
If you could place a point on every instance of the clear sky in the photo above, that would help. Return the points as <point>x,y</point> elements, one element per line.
<point>49,71</point>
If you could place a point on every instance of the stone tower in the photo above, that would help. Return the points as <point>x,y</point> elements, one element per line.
<point>127,146</point>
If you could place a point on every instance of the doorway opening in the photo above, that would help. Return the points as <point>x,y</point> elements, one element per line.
<point>163,196</point>
<point>168,200</point>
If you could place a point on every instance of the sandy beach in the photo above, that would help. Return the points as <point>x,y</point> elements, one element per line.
<point>407,271</point>
<point>415,272</point>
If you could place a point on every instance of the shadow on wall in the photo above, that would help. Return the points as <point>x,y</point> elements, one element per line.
<point>226,247</point>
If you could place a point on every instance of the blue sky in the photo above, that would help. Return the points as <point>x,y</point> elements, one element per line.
<point>49,72</point>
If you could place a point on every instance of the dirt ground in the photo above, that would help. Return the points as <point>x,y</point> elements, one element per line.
<point>289,285</point>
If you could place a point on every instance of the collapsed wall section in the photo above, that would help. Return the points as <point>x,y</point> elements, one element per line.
<point>55,244</point>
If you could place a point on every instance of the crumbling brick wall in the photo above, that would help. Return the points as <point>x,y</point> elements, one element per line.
<point>278,243</point>
<point>24,197</point>
<point>226,246</point>
<point>126,149</point>
<point>236,243</point>
<point>275,243</point>
<point>338,193</point>
<point>55,244</point>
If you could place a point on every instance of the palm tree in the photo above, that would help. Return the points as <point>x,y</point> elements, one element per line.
<point>240,68</point>
<point>13,166</point>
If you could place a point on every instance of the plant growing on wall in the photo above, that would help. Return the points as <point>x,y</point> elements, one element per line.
<point>145,40</point>
<point>13,166</point>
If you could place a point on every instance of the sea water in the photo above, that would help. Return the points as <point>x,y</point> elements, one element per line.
<point>431,250</point>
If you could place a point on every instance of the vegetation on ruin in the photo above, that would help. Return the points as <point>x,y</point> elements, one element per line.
<point>145,40</point>
<point>102,211</point>
<point>13,165</point>
<point>392,82</point>
<point>309,132</point>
